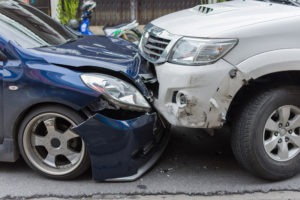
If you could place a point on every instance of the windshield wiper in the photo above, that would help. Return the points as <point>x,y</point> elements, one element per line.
<point>70,40</point>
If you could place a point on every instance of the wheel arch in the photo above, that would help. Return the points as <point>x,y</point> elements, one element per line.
<point>269,62</point>
<point>263,82</point>
<point>280,66</point>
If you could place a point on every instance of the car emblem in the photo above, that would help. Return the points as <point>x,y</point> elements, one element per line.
<point>156,30</point>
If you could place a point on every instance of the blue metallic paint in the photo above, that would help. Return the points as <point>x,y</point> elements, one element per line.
<point>39,82</point>
<point>40,76</point>
<point>107,54</point>
<point>116,146</point>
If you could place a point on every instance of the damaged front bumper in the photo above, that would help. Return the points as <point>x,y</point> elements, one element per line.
<point>196,96</point>
<point>123,150</point>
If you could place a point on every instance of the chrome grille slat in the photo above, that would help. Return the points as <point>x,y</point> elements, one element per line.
<point>152,40</point>
<point>149,52</point>
<point>150,46</point>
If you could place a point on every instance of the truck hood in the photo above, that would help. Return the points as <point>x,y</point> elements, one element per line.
<point>106,53</point>
<point>212,20</point>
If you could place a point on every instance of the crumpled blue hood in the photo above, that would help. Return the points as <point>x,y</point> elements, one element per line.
<point>95,51</point>
<point>104,53</point>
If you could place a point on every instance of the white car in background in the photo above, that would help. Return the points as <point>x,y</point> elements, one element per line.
<point>235,63</point>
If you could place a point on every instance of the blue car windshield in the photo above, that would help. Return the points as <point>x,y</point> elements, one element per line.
<point>29,27</point>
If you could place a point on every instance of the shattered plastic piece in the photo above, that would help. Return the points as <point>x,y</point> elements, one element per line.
<point>166,170</point>
<point>142,187</point>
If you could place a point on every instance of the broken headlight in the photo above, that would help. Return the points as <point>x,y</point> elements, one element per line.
<point>116,91</point>
<point>196,51</point>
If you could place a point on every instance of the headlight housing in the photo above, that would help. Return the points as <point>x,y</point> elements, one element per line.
<point>197,51</point>
<point>117,91</point>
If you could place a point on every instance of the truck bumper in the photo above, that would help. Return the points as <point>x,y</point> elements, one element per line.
<point>196,96</point>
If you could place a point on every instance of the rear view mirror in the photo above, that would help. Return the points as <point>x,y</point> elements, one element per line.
<point>2,56</point>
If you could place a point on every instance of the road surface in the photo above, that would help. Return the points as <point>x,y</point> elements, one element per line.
<point>194,164</point>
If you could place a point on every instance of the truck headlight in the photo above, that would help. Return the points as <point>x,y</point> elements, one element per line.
<point>117,91</point>
<point>196,51</point>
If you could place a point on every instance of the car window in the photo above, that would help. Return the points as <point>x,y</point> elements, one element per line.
<point>29,27</point>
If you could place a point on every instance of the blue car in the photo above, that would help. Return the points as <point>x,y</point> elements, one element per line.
<point>70,102</point>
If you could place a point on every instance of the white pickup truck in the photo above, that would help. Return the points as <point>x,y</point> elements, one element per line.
<point>235,63</point>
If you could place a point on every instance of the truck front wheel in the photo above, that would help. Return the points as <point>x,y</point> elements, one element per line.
<point>266,133</point>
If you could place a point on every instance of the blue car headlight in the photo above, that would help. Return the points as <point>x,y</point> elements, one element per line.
<point>116,91</point>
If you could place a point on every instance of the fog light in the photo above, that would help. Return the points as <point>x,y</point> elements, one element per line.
<point>181,99</point>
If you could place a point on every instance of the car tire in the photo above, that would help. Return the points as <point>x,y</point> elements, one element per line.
<point>49,146</point>
<point>266,133</point>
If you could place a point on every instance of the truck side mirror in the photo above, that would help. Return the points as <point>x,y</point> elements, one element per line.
<point>2,56</point>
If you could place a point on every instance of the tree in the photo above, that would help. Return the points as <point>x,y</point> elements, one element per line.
<point>67,10</point>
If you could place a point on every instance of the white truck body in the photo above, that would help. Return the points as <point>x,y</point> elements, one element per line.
<point>237,63</point>
<point>268,36</point>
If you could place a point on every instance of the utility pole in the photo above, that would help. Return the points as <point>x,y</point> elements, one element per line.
<point>133,9</point>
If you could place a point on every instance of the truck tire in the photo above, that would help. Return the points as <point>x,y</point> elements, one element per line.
<point>266,133</point>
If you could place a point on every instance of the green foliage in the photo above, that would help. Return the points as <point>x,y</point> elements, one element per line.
<point>67,9</point>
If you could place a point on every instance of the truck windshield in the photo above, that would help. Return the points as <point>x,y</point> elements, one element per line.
<point>287,2</point>
<point>29,27</point>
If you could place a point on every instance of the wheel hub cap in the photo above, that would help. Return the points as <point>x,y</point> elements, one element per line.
<point>55,143</point>
<point>281,138</point>
<point>282,132</point>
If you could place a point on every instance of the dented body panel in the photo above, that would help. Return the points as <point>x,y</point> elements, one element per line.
<point>196,96</point>
<point>123,150</point>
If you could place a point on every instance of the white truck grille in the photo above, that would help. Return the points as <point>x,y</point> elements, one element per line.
<point>156,44</point>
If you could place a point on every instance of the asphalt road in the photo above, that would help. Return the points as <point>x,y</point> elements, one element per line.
<point>193,164</point>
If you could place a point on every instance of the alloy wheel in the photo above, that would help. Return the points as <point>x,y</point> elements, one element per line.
<point>51,145</point>
<point>281,136</point>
